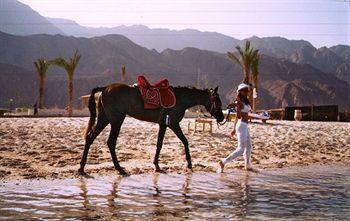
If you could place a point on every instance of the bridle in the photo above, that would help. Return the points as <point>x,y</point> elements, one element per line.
<point>213,99</point>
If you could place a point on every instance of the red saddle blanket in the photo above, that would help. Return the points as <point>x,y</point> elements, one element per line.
<point>158,95</point>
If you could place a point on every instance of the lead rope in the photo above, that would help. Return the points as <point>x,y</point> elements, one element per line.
<point>227,119</point>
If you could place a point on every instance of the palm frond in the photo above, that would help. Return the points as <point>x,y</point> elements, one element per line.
<point>74,61</point>
<point>232,56</point>
<point>248,49</point>
<point>239,49</point>
<point>255,62</point>
<point>41,66</point>
<point>247,58</point>
<point>61,63</point>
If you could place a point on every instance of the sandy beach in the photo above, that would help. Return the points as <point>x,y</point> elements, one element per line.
<point>37,148</point>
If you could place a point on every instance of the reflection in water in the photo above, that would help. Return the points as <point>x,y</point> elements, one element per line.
<point>298,194</point>
<point>112,198</point>
<point>186,189</point>
<point>158,207</point>
<point>242,189</point>
<point>84,195</point>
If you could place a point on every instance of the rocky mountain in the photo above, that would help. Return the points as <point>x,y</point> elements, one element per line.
<point>277,46</point>
<point>161,39</point>
<point>293,84</point>
<point>156,38</point>
<point>324,59</point>
<point>293,72</point>
<point>342,51</point>
<point>18,84</point>
<point>282,81</point>
<point>19,19</point>
<point>21,85</point>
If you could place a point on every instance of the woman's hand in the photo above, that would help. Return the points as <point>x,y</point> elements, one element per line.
<point>233,133</point>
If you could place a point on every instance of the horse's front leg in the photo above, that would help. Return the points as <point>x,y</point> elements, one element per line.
<point>177,130</point>
<point>161,133</point>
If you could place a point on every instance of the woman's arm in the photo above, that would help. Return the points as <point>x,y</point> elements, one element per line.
<point>238,109</point>
<point>238,116</point>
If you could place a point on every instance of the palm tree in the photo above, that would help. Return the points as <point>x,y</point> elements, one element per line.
<point>41,66</point>
<point>244,59</point>
<point>70,67</point>
<point>248,59</point>
<point>255,74</point>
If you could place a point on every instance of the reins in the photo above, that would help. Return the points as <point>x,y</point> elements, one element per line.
<point>213,107</point>
<point>227,119</point>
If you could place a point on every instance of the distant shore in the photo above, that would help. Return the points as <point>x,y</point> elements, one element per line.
<point>41,148</point>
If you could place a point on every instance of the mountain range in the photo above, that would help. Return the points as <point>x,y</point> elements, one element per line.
<point>292,72</point>
<point>19,19</point>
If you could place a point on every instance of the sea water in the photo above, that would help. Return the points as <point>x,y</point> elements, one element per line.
<point>298,193</point>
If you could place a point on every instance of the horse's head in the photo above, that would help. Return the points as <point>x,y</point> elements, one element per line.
<point>214,105</point>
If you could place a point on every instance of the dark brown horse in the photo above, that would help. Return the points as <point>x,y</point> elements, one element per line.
<point>118,100</point>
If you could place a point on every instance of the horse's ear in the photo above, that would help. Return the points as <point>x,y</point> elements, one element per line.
<point>216,89</point>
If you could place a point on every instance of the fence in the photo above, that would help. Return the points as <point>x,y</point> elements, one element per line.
<point>314,113</point>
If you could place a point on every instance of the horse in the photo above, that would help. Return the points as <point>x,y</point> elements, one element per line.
<point>119,100</point>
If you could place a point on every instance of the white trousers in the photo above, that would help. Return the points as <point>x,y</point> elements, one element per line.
<point>244,145</point>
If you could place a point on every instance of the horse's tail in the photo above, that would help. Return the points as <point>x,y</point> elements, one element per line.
<point>92,109</point>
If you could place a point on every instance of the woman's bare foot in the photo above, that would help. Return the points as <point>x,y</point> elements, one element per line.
<point>221,168</point>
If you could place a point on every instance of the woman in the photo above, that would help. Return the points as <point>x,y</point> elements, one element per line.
<point>241,127</point>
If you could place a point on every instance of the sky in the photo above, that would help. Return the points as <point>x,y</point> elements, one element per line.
<point>322,22</point>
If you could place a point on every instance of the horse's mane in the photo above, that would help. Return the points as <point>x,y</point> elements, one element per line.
<point>191,88</point>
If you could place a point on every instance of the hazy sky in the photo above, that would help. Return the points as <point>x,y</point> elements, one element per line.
<point>322,22</point>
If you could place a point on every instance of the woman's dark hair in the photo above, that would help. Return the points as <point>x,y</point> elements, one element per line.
<point>242,98</point>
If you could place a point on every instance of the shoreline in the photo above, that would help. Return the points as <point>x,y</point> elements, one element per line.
<point>231,171</point>
<point>51,148</point>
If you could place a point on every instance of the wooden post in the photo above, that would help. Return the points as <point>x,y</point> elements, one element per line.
<point>255,96</point>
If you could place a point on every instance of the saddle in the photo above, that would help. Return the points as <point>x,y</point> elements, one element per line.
<point>157,95</point>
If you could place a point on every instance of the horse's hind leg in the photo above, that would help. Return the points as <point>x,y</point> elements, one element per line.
<point>161,133</point>
<point>177,130</point>
<point>112,141</point>
<point>102,122</point>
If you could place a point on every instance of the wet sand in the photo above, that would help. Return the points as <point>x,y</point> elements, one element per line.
<point>33,148</point>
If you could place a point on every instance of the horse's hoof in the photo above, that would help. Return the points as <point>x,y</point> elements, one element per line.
<point>160,171</point>
<point>189,170</point>
<point>81,172</point>
<point>123,173</point>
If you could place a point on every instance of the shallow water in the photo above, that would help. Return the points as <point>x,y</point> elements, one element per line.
<point>317,193</point>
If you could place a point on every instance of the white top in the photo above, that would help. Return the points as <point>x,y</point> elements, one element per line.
<point>246,108</point>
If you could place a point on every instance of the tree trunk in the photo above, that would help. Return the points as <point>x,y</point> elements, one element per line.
<point>246,76</point>
<point>41,91</point>
<point>70,97</point>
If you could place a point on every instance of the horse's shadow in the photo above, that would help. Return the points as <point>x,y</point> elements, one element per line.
<point>220,135</point>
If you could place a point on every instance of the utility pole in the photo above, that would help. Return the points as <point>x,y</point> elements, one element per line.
<point>198,77</point>
<point>123,74</point>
